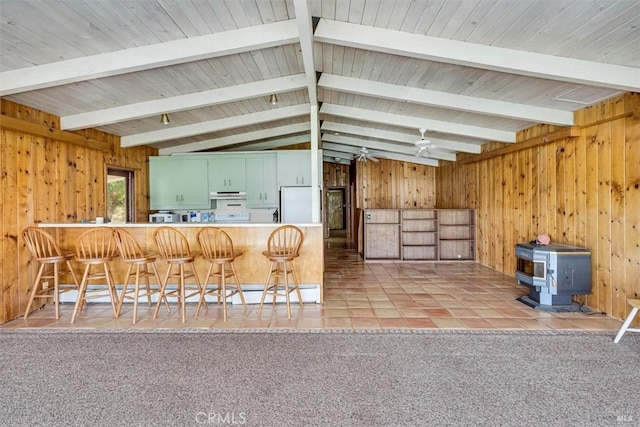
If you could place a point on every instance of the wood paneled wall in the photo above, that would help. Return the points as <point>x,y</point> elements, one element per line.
<point>335,175</point>
<point>52,179</point>
<point>390,184</point>
<point>582,190</point>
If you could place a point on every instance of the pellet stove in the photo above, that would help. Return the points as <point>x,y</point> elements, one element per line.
<point>553,273</point>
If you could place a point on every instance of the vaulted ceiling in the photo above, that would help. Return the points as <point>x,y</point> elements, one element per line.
<point>361,73</point>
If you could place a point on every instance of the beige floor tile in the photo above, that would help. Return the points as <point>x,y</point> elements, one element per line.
<point>450,323</point>
<point>477,323</point>
<point>338,322</point>
<point>417,323</point>
<point>502,323</point>
<point>365,322</point>
<point>438,313</point>
<point>361,312</point>
<point>393,322</point>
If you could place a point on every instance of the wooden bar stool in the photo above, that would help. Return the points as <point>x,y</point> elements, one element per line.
<point>217,249</point>
<point>53,264</point>
<point>635,303</point>
<point>283,246</point>
<point>96,248</point>
<point>132,254</point>
<point>174,250</point>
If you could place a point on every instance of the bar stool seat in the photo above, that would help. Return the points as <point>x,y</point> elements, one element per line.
<point>96,248</point>
<point>635,303</point>
<point>53,264</point>
<point>217,249</point>
<point>283,246</point>
<point>138,262</point>
<point>174,250</point>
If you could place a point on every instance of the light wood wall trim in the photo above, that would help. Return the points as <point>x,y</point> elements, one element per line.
<point>22,126</point>
<point>608,120</point>
<point>568,132</point>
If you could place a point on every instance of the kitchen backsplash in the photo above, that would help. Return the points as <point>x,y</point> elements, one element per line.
<point>234,207</point>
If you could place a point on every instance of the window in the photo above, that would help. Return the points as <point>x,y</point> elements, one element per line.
<point>120,206</point>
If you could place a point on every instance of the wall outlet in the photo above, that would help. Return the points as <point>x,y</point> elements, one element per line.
<point>45,285</point>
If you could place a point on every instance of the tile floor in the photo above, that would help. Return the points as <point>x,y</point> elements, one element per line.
<point>359,295</point>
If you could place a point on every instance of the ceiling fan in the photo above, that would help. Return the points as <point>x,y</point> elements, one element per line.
<point>423,146</point>
<point>364,155</point>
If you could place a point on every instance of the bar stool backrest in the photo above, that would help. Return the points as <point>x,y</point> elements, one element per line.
<point>128,246</point>
<point>171,244</point>
<point>96,243</point>
<point>285,241</point>
<point>215,243</point>
<point>41,244</point>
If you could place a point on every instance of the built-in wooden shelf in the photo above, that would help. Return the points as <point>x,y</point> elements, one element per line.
<point>419,234</point>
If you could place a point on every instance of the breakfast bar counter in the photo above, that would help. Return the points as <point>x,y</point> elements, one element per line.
<point>249,238</point>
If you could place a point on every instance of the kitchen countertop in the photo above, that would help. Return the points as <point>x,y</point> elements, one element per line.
<point>170,224</point>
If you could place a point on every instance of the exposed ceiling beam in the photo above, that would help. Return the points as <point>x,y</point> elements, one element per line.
<point>385,146</point>
<point>478,55</point>
<point>417,123</point>
<point>340,148</point>
<point>451,101</point>
<point>339,154</point>
<point>276,143</point>
<point>405,158</point>
<point>305,31</point>
<point>182,102</point>
<point>329,159</point>
<point>381,154</point>
<point>237,139</point>
<point>354,150</point>
<point>329,126</point>
<point>148,57</point>
<point>146,138</point>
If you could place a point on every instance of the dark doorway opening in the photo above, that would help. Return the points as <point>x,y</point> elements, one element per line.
<point>337,204</point>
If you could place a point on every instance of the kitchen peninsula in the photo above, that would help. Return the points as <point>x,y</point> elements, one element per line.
<point>250,238</point>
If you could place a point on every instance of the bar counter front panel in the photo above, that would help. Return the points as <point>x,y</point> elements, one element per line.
<point>249,238</point>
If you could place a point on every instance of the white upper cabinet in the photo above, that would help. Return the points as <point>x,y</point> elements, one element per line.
<point>227,173</point>
<point>262,186</point>
<point>178,183</point>
<point>294,168</point>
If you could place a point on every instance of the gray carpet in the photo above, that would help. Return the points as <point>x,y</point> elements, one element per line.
<point>318,379</point>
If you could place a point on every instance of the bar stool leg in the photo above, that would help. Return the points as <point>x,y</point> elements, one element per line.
<point>286,289</point>
<point>36,284</point>
<point>235,275</point>
<point>222,288</point>
<point>125,285</point>
<point>266,288</point>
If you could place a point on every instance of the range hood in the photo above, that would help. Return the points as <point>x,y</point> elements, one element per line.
<point>228,195</point>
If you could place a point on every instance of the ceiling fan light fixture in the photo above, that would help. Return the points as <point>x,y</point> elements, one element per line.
<point>423,145</point>
<point>273,99</point>
<point>164,119</point>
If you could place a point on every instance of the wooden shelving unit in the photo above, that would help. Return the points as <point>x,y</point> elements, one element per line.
<point>382,234</point>
<point>457,233</point>
<point>420,234</point>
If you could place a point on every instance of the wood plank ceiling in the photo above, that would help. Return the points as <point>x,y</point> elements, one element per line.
<point>366,73</point>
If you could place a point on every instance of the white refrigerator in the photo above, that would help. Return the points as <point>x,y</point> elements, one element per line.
<point>295,205</point>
